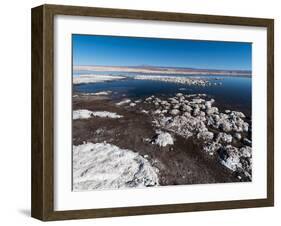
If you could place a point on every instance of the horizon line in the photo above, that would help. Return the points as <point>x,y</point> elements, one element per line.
<point>157,66</point>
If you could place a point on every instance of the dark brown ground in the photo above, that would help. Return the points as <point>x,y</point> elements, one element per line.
<point>182,163</point>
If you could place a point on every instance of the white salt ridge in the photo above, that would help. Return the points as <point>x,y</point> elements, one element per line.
<point>82,114</point>
<point>163,139</point>
<point>106,114</point>
<point>174,79</point>
<point>102,93</point>
<point>126,101</point>
<point>144,111</point>
<point>91,78</point>
<point>85,114</point>
<point>106,166</point>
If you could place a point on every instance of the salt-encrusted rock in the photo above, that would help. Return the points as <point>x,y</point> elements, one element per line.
<point>202,107</point>
<point>237,114</point>
<point>196,111</point>
<point>246,151</point>
<point>198,101</point>
<point>179,94</point>
<point>181,99</point>
<point>238,136</point>
<point>224,138</point>
<point>173,101</point>
<point>205,135</point>
<point>202,118</point>
<point>186,114</point>
<point>211,147</point>
<point>144,111</point>
<point>223,116</point>
<point>208,104</point>
<point>185,107</point>
<point>190,95</point>
<point>245,127</point>
<point>216,118</point>
<point>148,99</point>
<point>211,121</point>
<point>225,126</point>
<point>157,112</point>
<point>228,122</point>
<point>237,124</point>
<point>174,112</point>
<point>212,110</point>
<point>176,106</point>
<point>165,103</point>
<point>202,113</point>
<point>163,139</point>
<point>190,116</point>
<point>229,157</point>
<point>182,125</point>
<point>237,160</point>
<point>247,142</point>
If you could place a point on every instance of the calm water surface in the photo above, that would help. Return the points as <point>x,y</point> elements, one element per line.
<point>235,93</point>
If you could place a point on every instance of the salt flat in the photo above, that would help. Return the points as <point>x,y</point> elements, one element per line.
<point>106,166</point>
<point>92,78</point>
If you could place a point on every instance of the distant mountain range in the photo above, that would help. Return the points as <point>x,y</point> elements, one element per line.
<point>163,70</point>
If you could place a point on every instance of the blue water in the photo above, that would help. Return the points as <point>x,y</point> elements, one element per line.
<point>234,93</point>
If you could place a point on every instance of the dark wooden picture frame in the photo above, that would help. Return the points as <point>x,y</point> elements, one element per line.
<point>42,203</point>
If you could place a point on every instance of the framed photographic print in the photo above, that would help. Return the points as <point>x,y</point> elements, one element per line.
<point>141,112</point>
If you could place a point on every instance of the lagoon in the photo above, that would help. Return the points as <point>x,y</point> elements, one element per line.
<point>234,93</point>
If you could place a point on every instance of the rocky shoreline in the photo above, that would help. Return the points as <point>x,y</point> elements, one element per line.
<point>223,135</point>
<point>186,139</point>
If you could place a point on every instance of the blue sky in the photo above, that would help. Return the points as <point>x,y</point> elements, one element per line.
<point>127,51</point>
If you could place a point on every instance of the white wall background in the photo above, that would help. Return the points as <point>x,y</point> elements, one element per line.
<point>15,111</point>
